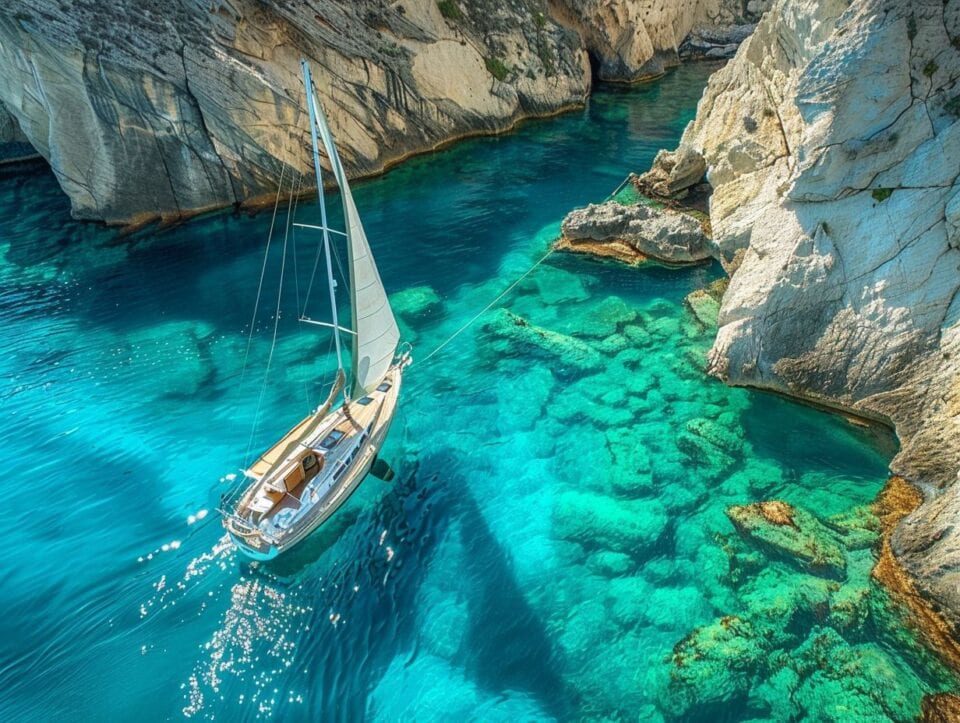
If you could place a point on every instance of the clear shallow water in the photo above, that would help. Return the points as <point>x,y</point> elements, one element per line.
<point>555,544</point>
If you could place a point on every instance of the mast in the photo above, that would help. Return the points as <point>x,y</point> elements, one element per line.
<point>375,331</point>
<point>331,284</point>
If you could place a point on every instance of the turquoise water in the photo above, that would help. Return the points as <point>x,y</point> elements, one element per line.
<point>555,545</point>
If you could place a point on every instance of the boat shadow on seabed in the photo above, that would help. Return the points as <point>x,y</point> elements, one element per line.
<point>377,556</point>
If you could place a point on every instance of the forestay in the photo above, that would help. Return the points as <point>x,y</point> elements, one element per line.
<point>376,332</point>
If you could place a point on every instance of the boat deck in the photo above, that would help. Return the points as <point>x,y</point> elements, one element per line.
<point>343,461</point>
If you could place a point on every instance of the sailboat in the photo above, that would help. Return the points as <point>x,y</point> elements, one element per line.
<point>303,479</point>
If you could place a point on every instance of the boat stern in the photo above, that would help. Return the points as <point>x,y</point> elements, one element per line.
<point>250,541</point>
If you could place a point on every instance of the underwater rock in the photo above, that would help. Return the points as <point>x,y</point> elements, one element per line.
<point>793,534</point>
<point>858,527</point>
<point>610,564</point>
<point>551,345</point>
<point>556,286</point>
<point>172,358</point>
<point>629,526</point>
<point>416,301</point>
<point>631,474</point>
<point>850,604</point>
<point>575,402</point>
<point>627,599</point>
<point>638,335</point>
<point>665,605</point>
<point>727,438</point>
<point>614,344</point>
<point>704,454</point>
<point>633,234</point>
<point>602,319</point>
<point>705,307</point>
<point>715,664</point>
<point>521,404</point>
<point>840,680</point>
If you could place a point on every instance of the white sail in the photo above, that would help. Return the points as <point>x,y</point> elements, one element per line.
<point>375,329</point>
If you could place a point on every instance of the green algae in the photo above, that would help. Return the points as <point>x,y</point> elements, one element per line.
<point>792,533</point>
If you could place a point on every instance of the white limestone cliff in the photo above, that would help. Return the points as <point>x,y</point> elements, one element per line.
<point>832,145</point>
<point>149,109</point>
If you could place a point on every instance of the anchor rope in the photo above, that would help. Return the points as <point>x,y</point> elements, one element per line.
<point>487,308</point>
<point>508,289</point>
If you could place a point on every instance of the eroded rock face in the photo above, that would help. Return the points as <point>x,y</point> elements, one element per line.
<point>635,39</point>
<point>832,143</point>
<point>184,106</point>
<point>13,143</point>
<point>635,233</point>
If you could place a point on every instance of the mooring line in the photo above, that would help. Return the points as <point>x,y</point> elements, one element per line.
<point>485,309</point>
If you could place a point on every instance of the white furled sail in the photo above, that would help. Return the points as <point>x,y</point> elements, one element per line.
<point>376,334</point>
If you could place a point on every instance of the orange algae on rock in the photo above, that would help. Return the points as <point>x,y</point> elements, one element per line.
<point>940,708</point>
<point>897,500</point>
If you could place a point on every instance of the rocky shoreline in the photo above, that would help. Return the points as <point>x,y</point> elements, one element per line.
<point>834,217</point>
<point>186,107</point>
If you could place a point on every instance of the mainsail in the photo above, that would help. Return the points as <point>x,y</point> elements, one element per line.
<point>376,334</point>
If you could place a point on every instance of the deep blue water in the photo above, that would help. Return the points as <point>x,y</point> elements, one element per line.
<point>546,542</point>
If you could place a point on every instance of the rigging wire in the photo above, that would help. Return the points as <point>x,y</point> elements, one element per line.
<point>487,308</point>
<point>276,326</point>
<point>293,238</point>
<point>295,201</point>
<point>263,271</point>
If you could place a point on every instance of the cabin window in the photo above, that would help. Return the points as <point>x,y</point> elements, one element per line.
<point>330,441</point>
<point>365,400</point>
<point>385,386</point>
<point>309,462</point>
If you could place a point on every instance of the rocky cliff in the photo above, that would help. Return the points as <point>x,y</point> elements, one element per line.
<point>832,145</point>
<point>633,39</point>
<point>152,109</point>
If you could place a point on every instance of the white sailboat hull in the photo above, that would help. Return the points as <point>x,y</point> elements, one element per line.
<point>263,534</point>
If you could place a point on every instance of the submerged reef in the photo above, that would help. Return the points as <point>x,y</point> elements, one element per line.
<point>680,571</point>
<point>830,147</point>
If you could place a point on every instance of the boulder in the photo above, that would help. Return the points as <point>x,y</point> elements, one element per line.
<point>416,301</point>
<point>515,331</point>
<point>635,233</point>
<point>792,534</point>
<point>596,520</point>
<point>672,173</point>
